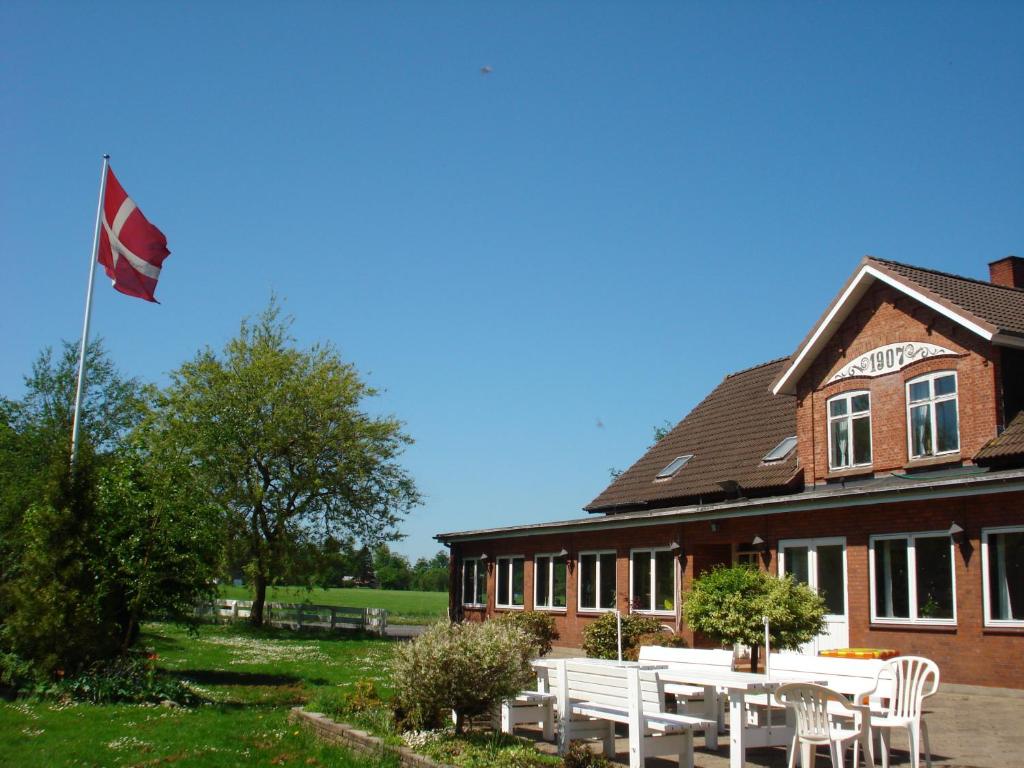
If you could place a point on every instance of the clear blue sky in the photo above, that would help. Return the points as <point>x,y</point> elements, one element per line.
<point>537,265</point>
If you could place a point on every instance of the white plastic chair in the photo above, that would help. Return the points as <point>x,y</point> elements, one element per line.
<point>915,679</point>
<point>824,716</point>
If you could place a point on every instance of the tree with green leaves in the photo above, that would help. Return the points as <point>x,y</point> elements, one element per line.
<point>278,437</point>
<point>730,603</point>
<point>84,556</point>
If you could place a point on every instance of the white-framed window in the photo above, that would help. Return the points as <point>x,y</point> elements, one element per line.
<point>474,581</point>
<point>549,582</point>
<point>596,581</point>
<point>849,430</point>
<point>932,422</point>
<point>509,580</point>
<point>912,578</point>
<point>1002,561</point>
<point>652,580</point>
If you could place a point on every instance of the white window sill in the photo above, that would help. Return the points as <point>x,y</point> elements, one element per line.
<point>902,622</point>
<point>595,611</point>
<point>509,608</point>
<point>662,614</point>
<point>549,610</point>
<point>1004,624</point>
<point>474,605</point>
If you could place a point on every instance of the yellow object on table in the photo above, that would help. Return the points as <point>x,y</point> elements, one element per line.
<point>860,653</point>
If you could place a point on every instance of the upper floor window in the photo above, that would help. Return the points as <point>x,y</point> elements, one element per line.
<point>597,581</point>
<point>1002,558</point>
<point>653,580</point>
<point>474,581</point>
<point>912,578</point>
<point>509,582</point>
<point>549,581</point>
<point>932,423</point>
<point>849,430</point>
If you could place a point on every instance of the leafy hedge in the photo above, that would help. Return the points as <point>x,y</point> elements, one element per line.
<point>600,640</point>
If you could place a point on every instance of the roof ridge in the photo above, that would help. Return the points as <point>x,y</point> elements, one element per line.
<point>955,276</point>
<point>755,367</point>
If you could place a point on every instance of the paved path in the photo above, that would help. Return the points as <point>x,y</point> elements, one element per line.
<point>970,727</point>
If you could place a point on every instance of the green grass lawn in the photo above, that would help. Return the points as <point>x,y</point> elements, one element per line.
<point>251,677</point>
<point>402,607</point>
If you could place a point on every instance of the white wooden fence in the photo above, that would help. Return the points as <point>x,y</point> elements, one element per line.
<point>299,615</point>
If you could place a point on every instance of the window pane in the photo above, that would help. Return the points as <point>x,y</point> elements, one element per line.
<point>830,577</point>
<point>920,431</point>
<point>859,403</point>
<point>933,567</point>
<point>503,584</point>
<point>558,583</point>
<point>468,571</point>
<point>945,386</point>
<point>946,435</point>
<point>840,443</point>
<point>588,581</point>
<point>481,582</point>
<point>1006,576</point>
<point>796,563</point>
<point>664,581</point>
<point>920,391</point>
<point>837,407</point>
<point>862,440</point>
<point>641,598</point>
<point>608,580</point>
<point>891,591</point>
<point>542,580</point>
<point>518,581</point>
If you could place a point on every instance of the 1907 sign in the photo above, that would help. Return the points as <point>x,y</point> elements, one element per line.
<point>890,358</point>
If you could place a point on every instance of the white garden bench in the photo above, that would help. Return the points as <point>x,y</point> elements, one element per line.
<point>688,695</point>
<point>593,697</point>
<point>529,707</point>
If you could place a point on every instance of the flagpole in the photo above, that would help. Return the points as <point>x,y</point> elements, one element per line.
<point>88,312</point>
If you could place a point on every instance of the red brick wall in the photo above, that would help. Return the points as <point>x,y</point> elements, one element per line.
<point>886,316</point>
<point>966,653</point>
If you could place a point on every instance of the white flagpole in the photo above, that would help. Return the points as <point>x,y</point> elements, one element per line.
<point>79,389</point>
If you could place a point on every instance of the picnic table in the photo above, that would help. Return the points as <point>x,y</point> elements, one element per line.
<point>741,688</point>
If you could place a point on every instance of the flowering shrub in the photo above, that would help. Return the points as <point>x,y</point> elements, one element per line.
<point>464,668</point>
<point>600,639</point>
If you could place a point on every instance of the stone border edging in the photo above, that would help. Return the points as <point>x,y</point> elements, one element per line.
<point>360,741</point>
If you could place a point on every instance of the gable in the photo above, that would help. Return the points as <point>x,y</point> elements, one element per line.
<point>992,313</point>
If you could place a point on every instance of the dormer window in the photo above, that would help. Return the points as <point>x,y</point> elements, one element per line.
<point>932,423</point>
<point>676,464</point>
<point>849,430</point>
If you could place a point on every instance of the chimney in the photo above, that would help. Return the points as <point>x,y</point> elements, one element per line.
<point>1008,271</point>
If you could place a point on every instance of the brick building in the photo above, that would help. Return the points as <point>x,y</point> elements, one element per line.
<point>882,463</point>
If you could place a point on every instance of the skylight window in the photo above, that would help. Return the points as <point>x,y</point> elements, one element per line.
<point>677,463</point>
<point>782,450</point>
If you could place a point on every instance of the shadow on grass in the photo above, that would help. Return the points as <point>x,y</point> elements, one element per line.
<point>216,677</point>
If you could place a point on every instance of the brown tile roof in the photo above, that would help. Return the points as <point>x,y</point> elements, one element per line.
<point>997,305</point>
<point>1009,443</point>
<point>728,434</point>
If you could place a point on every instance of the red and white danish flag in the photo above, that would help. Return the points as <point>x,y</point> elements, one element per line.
<point>131,249</point>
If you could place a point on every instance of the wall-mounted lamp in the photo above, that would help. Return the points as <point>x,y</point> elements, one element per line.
<point>483,555</point>
<point>955,530</point>
<point>714,527</point>
<point>563,552</point>
<point>674,546</point>
<point>759,544</point>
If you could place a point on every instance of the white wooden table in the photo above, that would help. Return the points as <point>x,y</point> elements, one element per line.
<point>739,687</point>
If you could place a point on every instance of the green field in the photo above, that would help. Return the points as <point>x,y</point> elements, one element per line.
<point>251,679</point>
<point>403,607</point>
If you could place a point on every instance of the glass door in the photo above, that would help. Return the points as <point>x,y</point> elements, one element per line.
<point>821,564</point>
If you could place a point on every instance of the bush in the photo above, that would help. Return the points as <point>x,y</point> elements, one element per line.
<point>600,638</point>
<point>539,626</point>
<point>129,678</point>
<point>664,639</point>
<point>466,668</point>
